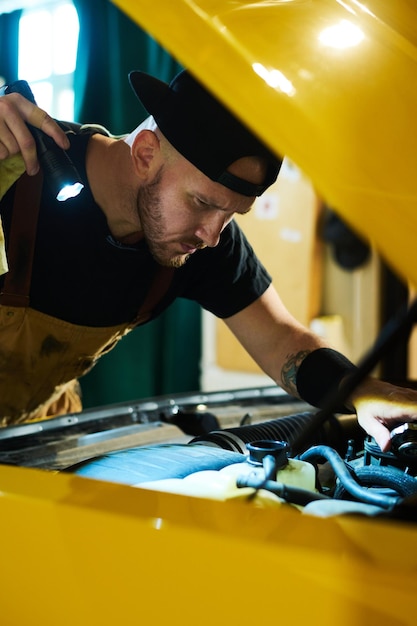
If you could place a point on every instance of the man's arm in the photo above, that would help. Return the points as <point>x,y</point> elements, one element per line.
<point>274,338</point>
<point>279,345</point>
<point>15,136</point>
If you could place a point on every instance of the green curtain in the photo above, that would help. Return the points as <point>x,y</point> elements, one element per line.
<point>163,356</point>
<point>9,46</point>
<point>110,46</point>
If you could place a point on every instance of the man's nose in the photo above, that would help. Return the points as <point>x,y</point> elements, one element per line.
<point>209,231</point>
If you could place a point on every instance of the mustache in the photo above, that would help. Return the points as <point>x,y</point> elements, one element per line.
<point>197,244</point>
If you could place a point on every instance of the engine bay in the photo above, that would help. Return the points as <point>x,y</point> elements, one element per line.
<point>257,445</point>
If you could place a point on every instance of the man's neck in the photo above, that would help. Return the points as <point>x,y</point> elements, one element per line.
<point>112,183</point>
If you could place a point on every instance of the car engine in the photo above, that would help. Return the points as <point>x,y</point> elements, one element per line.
<point>257,445</point>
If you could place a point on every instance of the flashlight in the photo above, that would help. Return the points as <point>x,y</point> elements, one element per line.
<point>59,170</point>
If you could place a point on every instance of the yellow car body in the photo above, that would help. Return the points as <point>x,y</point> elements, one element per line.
<point>330,84</point>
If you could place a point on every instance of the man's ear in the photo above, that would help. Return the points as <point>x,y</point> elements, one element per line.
<point>145,154</point>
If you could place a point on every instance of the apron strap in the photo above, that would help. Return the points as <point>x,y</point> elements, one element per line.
<point>21,248</point>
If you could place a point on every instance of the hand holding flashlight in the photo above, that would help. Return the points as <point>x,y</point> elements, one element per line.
<point>15,137</point>
<point>59,171</point>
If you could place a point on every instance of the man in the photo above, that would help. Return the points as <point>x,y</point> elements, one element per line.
<point>154,222</point>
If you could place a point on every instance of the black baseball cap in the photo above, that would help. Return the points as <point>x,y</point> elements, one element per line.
<point>202,129</point>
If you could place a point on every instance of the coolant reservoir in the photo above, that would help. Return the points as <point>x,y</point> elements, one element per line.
<point>222,484</point>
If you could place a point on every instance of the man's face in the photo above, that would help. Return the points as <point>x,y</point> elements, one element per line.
<point>182,211</point>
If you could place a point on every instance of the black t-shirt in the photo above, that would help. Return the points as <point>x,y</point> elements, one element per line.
<point>83,276</point>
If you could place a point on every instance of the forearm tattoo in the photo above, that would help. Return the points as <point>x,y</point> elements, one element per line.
<point>290,369</point>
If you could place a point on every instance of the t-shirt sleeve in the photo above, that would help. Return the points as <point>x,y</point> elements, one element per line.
<point>229,277</point>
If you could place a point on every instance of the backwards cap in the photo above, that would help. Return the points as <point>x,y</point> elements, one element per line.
<point>202,130</point>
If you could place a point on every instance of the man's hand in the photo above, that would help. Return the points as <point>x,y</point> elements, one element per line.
<point>381,406</point>
<point>15,136</point>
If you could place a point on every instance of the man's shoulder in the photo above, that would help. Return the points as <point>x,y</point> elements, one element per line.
<point>83,129</point>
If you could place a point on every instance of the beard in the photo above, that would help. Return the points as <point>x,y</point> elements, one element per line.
<point>151,217</point>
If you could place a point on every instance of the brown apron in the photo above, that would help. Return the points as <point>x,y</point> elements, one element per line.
<point>41,357</point>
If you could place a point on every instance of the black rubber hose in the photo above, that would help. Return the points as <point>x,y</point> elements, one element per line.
<point>270,467</point>
<point>382,476</point>
<point>290,429</point>
<point>344,474</point>
<point>294,495</point>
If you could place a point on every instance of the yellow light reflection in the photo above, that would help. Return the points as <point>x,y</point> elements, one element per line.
<point>274,78</point>
<point>157,523</point>
<point>341,35</point>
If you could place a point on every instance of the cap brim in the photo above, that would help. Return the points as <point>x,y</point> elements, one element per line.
<point>149,90</point>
